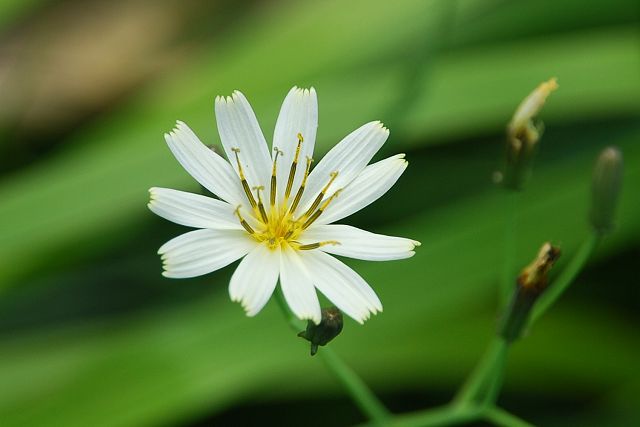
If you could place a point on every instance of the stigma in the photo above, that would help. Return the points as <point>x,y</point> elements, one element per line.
<point>278,225</point>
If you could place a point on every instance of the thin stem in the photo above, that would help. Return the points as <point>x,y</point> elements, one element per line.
<point>496,380</point>
<point>295,324</point>
<point>502,418</point>
<point>508,278</point>
<point>441,416</point>
<point>479,381</point>
<point>361,394</point>
<point>566,277</point>
<point>357,389</point>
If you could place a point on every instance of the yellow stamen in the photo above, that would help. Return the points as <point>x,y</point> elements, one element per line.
<point>321,209</point>
<point>318,199</point>
<point>243,180</point>
<point>272,196</point>
<point>263,213</point>
<point>296,200</point>
<point>282,226</point>
<point>243,222</point>
<point>294,166</point>
<point>317,245</point>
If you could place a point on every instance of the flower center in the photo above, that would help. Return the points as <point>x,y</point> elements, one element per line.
<point>282,225</point>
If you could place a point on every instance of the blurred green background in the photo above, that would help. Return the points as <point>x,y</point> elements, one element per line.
<point>92,335</point>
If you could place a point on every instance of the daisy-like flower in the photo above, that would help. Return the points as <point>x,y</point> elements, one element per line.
<point>276,211</point>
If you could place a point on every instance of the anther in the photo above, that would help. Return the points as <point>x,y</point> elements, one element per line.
<point>263,213</point>
<point>318,199</point>
<point>243,180</point>
<point>272,196</point>
<point>294,166</point>
<point>236,152</point>
<point>296,199</point>
<point>321,209</point>
<point>317,245</point>
<point>243,222</point>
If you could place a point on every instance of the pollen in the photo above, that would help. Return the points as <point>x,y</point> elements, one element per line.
<point>277,226</point>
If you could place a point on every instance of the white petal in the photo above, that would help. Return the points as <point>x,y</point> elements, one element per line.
<point>298,115</point>
<point>297,287</point>
<point>342,286</point>
<point>349,157</point>
<point>239,129</point>
<point>192,210</point>
<point>359,244</point>
<point>255,279</point>
<point>371,184</point>
<point>207,167</point>
<point>200,252</point>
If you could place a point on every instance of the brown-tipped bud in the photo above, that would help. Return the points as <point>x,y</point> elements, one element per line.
<point>523,136</point>
<point>531,282</point>
<point>329,327</point>
<point>607,182</point>
<point>534,277</point>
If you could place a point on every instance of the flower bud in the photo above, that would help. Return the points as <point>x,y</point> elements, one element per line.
<point>531,283</point>
<point>534,277</point>
<point>329,327</point>
<point>523,136</point>
<point>607,181</point>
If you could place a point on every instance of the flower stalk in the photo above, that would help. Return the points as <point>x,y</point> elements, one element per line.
<point>510,245</point>
<point>474,390</point>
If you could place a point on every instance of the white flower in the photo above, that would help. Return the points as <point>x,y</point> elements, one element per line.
<point>276,211</point>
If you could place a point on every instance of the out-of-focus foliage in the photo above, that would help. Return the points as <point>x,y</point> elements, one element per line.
<point>91,334</point>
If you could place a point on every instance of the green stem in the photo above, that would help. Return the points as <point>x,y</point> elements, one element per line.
<point>442,416</point>
<point>502,418</point>
<point>508,279</point>
<point>295,324</point>
<point>566,277</point>
<point>361,394</point>
<point>479,382</point>
<point>358,390</point>
<point>516,315</point>
<point>496,380</point>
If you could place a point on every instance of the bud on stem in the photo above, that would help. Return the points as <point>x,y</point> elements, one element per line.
<point>523,136</point>
<point>531,283</point>
<point>329,327</point>
<point>607,182</point>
